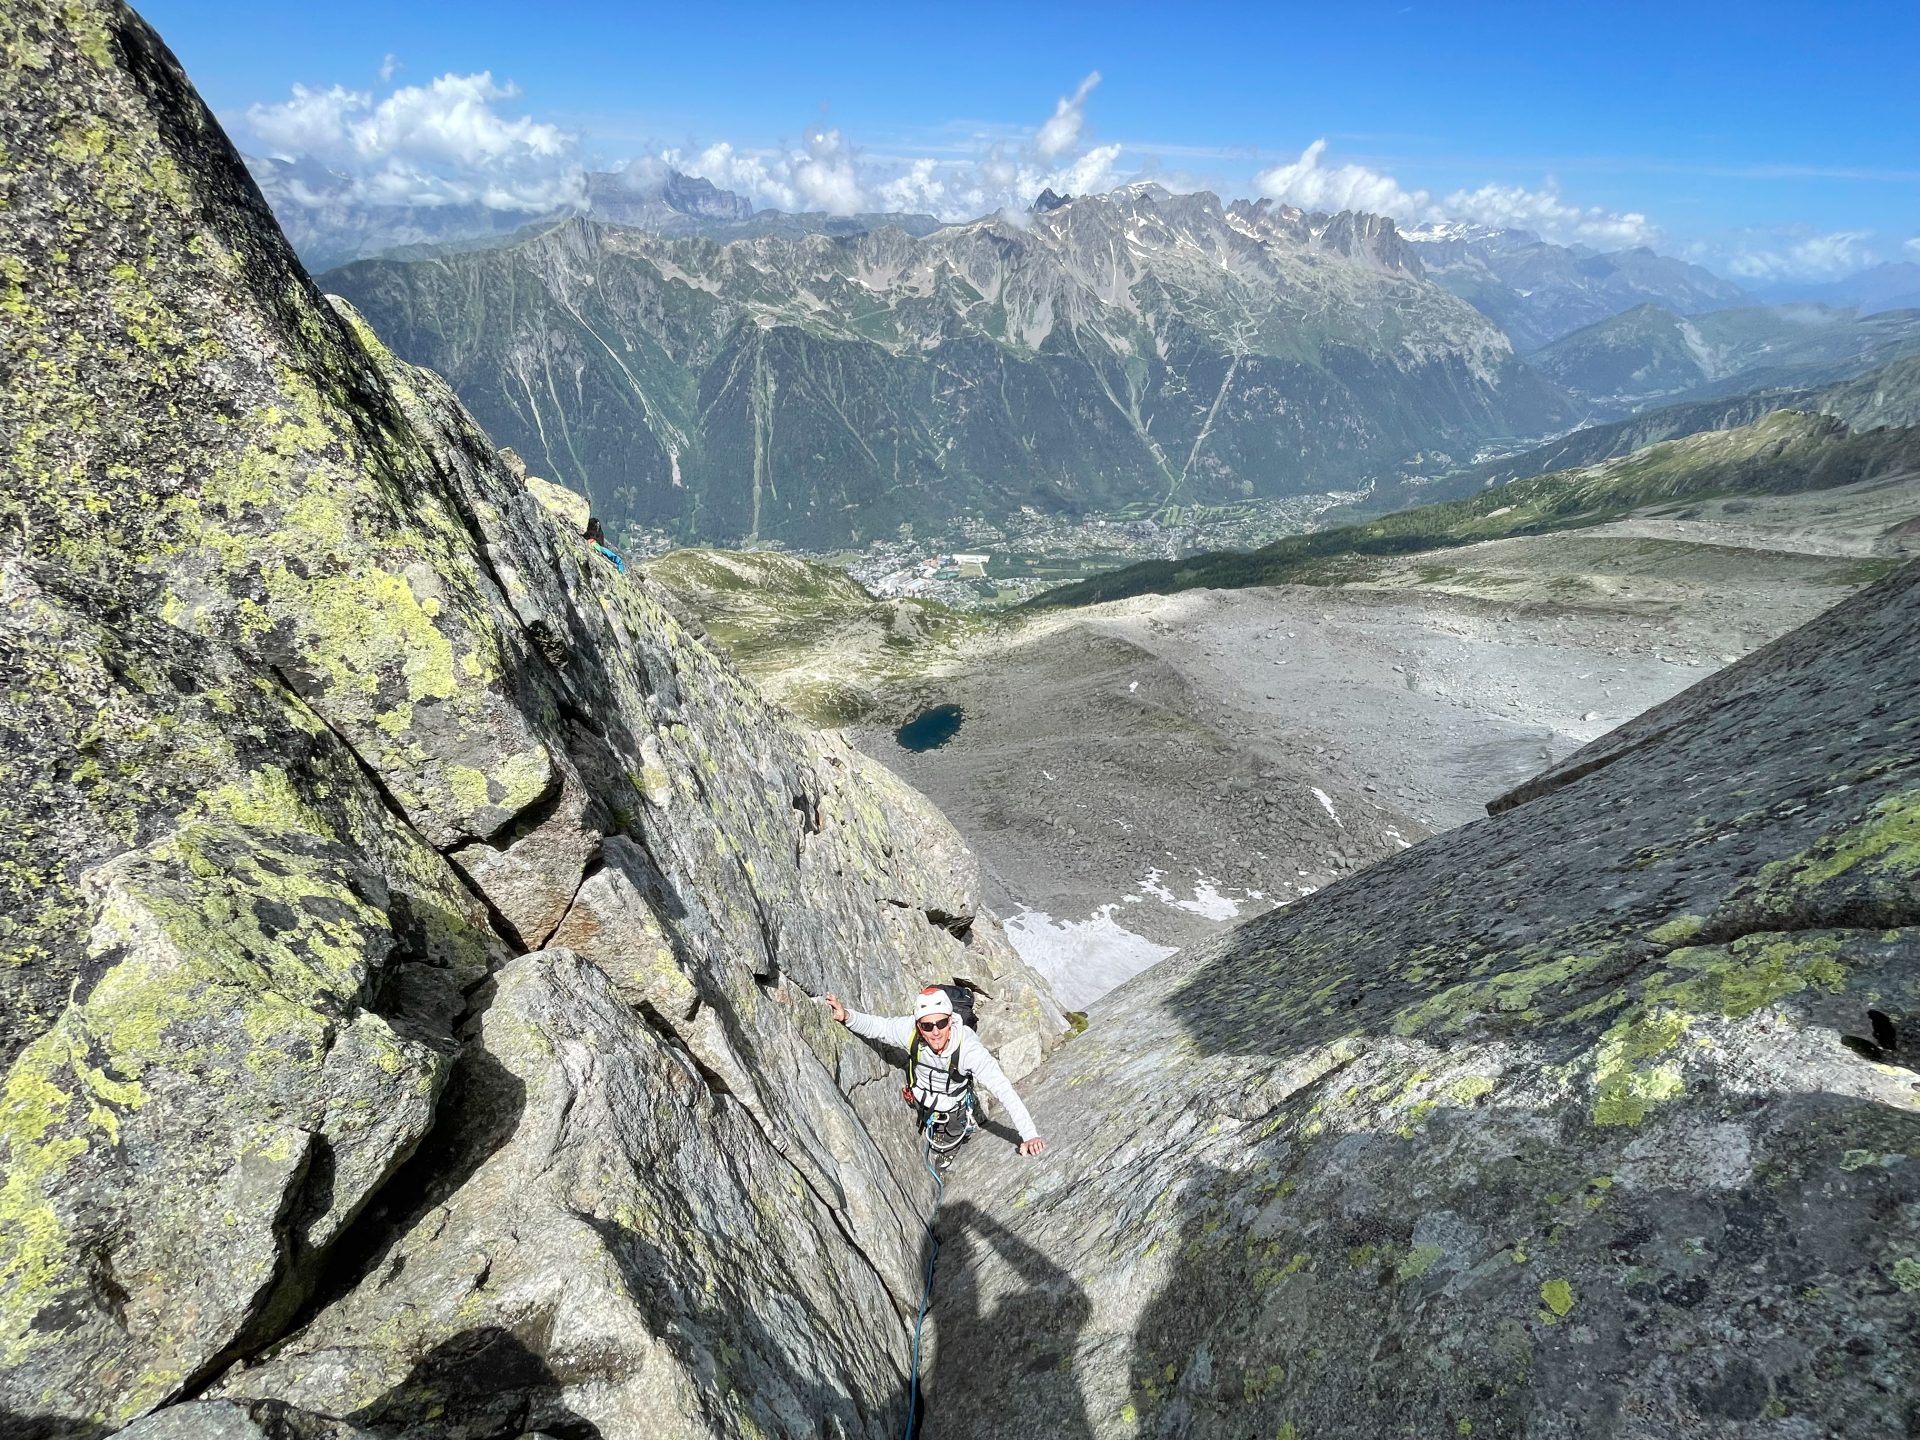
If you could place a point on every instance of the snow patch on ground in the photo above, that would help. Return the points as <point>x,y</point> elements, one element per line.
<point>1326,803</point>
<point>1208,902</point>
<point>1082,959</point>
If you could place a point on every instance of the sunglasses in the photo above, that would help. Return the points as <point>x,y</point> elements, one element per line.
<point>928,1027</point>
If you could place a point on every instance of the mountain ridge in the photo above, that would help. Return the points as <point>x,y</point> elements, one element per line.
<point>1781,452</point>
<point>1538,291</point>
<point>1117,348</point>
<point>1650,354</point>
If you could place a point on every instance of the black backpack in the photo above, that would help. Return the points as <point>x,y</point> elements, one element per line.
<point>960,996</point>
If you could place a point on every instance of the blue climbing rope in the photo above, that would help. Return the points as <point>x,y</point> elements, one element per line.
<point>933,1249</point>
<point>926,1290</point>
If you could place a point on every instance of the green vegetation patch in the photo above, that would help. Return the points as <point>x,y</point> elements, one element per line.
<point>1782,453</point>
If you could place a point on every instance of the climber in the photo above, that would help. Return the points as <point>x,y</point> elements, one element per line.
<point>944,1060</point>
<point>597,538</point>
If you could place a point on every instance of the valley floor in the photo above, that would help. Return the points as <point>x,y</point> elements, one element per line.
<point>1272,740</point>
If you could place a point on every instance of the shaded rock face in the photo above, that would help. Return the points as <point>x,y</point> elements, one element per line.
<point>315,720</point>
<point>1598,1117</point>
<point>616,1207</point>
<point>230,1420</point>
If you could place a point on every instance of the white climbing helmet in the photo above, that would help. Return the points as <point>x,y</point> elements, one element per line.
<point>931,1001</point>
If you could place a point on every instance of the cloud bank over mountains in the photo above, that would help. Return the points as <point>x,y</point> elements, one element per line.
<point>827,172</point>
<point>454,141</point>
<point>444,143</point>
<point>1802,253</point>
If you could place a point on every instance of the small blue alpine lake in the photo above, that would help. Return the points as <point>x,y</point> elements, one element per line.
<point>930,729</point>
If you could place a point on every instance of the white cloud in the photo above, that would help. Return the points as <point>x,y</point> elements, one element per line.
<point>1092,174</point>
<point>441,143</point>
<point>454,120</point>
<point>916,189</point>
<point>1912,247</point>
<point>821,175</point>
<point>1547,215</point>
<point>829,173</point>
<point>313,122</point>
<point>454,140</point>
<point>825,176</point>
<point>1794,254</point>
<point>1061,132</point>
<point>1312,186</point>
<point>761,177</point>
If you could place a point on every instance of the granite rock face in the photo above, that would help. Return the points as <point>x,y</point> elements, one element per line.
<point>601,1195</point>
<point>1599,1117</point>
<point>314,721</point>
<point>409,933</point>
<point>231,1420</point>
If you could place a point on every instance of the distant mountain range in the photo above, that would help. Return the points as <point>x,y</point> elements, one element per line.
<point>824,389</point>
<point>1893,286</point>
<point>730,374</point>
<point>329,224</point>
<point>1882,398</point>
<point>1534,290</point>
<point>1537,291</point>
<point>1650,355</point>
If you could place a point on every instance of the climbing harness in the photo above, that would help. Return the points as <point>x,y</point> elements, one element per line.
<point>956,1083</point>
<point>934,1159</point>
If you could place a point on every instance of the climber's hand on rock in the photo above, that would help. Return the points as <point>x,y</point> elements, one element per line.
<point>839,1010</point>
<point>1033,1146</point>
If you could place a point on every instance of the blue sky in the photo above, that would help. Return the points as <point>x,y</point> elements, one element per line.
<point>1767,140</point>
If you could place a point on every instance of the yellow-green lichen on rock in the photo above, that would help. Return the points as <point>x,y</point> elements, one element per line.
<point>312,718</point>
<point>197,445</point>
<point>230,962</point>
<point>1865,864</point>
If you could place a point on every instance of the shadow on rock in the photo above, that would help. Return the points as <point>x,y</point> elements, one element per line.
<point>754,1374</point>
<point>1204,1360</point>
<point>1015,1360</point>
<point>481,1384</point>
<point>1000,1128</point>
<point>49,1427</point>
<point>477,1114</point>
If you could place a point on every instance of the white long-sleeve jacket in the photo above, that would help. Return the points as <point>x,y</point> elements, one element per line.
<point>933,1072</point>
